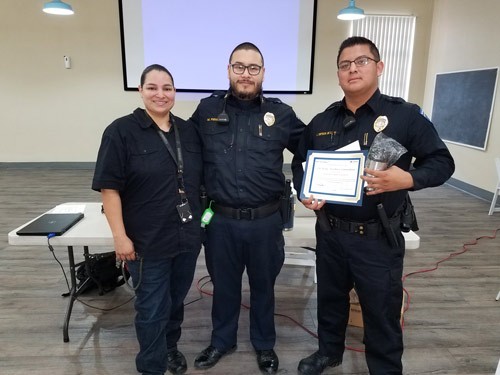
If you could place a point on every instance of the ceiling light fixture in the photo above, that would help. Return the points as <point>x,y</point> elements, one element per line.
<point>58,7</point>
<point>351,12</point>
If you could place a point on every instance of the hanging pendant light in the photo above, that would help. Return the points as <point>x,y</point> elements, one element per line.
<point>58,7</point>
<point>351,12</point>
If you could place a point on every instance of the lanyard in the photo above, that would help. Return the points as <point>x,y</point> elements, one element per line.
<point>178,160</point>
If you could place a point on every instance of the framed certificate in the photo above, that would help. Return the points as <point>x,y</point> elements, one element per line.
<point>334,176</point>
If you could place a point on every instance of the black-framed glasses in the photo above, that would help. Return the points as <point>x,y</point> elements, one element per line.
<point>253,69</point>
<point>358,61</point>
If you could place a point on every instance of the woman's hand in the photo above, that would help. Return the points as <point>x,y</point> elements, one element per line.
<point>124,248</point>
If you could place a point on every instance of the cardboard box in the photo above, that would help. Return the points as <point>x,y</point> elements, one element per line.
<point>355,314</point>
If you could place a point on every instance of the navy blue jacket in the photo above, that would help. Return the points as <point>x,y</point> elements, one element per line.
<point>133,160</point>
<point>243,159</point>
<point>432,166</point>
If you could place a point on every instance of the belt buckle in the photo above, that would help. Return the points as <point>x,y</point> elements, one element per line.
<point>245,213</point>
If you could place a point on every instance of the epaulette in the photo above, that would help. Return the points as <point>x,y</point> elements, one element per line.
<point>395,99</point>
<point>218,94</point>
<point>334,106</point>
<point>273,100</point>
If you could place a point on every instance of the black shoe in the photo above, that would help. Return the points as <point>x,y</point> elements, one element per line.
<point>176,362</point>
<point>316,363</point>
<point>268,361</point>
<point>210,356</point>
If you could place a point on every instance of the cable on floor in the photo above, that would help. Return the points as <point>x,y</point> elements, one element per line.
<point>465,248</point>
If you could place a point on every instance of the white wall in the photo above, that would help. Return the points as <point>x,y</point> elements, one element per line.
<point>50,113</point>
<point>465,36</point>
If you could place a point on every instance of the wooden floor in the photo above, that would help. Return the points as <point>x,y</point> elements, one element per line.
<point>452,325</point>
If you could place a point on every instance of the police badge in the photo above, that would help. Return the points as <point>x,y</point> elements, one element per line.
<point>269,119</point>
<point>380,123</point>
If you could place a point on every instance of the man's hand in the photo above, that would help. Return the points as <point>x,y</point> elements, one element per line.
<point>391,179</point>
<point>312,203</point>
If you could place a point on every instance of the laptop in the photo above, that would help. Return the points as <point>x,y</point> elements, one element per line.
<point>55,224</point>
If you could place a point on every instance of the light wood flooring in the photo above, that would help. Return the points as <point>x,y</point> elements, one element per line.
<point>452,325</point>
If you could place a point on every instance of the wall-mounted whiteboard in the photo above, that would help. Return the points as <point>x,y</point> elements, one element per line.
<point>463,106</point>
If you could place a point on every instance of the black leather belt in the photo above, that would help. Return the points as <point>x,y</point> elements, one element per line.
<point>247,213</point>
<point>371,229</point>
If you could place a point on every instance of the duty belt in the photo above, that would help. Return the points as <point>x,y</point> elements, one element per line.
<point>246,213</point>
<point>371,229</point>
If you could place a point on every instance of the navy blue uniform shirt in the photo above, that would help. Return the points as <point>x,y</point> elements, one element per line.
<point>433,164</point>
<point>133,160</point>
<point>244,158</point>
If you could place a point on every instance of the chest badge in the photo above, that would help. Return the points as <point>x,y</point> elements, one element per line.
<point>380,123</point>
<point>269,119</point>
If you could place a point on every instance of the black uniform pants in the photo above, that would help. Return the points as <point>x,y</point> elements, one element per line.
<point>344,260</point>
<point>231,246</point>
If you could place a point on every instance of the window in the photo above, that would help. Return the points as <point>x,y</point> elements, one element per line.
<point>394,37</point>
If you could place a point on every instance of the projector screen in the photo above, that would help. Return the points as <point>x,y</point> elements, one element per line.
<point>194,38</point>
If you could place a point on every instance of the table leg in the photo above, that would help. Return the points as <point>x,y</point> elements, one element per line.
<point>75,288</point>
<point>72,293</point>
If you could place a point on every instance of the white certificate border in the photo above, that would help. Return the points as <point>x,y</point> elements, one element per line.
<point>356,198</point>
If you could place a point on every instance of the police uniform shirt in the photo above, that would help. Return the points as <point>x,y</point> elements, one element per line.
<point>406,124</point>
<point>244,158</point>
<point>133,160</point>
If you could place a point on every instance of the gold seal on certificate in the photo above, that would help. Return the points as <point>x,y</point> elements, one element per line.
<point>380,123</point>
<point>269,119</point>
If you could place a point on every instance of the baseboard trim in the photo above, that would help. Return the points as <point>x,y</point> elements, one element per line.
<point>470,189</point>
<point>457,184</point>
<point>48,165</point>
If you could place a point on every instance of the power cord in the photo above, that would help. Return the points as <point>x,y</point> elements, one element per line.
<point>465,248</point>
<point>51,248</point>
<point>407,300</point>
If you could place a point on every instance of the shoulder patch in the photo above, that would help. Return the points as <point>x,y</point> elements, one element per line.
<point>421,111</point>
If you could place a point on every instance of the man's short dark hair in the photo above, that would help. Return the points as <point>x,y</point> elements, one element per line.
<point>246,46</point>
<point>356,40</point>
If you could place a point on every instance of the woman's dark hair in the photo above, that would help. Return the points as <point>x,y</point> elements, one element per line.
<point>354,41</point>
<point>157,67</point>
<point>246,45</point>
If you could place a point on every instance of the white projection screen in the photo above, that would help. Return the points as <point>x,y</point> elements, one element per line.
<point>194,38</point>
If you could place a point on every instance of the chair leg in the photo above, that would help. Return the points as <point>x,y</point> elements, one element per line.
<point>498,296</point>
<point>494,202</point>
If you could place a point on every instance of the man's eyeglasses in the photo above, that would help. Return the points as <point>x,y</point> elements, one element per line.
<point>358,61</point>
<point>239,69</point>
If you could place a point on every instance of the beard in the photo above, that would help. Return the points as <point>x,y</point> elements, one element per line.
<point>246,94</point>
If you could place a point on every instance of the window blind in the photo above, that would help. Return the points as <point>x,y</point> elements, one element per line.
<point>394,37</point>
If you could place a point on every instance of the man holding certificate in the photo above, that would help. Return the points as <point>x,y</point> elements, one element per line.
<point>358,230</point>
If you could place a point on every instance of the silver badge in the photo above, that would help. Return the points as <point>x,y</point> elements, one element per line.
<point>269,119</point>
<point>380,123</point>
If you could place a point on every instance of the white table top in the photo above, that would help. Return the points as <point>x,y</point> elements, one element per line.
<point>93,230</point>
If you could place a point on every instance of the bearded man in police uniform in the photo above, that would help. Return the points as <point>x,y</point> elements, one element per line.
<point>244,136</point>
<point>353,247</point>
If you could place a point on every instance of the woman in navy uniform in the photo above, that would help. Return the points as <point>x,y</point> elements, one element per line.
<point>140,180</point>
